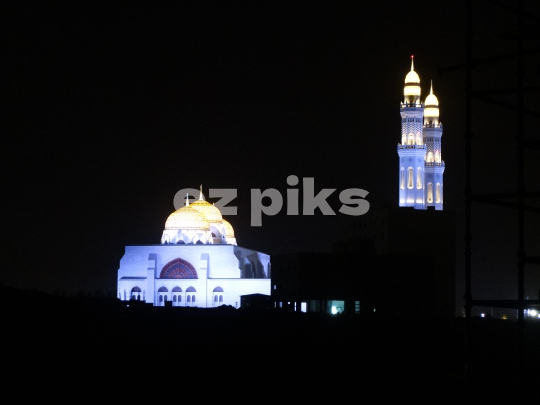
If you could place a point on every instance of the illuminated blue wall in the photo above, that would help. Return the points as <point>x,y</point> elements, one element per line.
<point>192,275</point>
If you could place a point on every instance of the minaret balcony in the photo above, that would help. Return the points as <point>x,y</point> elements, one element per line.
<point>411,146</point>
<point>434,164</point>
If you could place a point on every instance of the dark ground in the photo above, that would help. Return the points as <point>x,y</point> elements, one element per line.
<point>92,349</point>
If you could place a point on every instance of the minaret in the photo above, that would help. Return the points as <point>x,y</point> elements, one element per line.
<point>411,150</point>
<point>434,167</point>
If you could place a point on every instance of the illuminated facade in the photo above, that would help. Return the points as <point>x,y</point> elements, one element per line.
<point>421,166</point>
<point>197,264</point>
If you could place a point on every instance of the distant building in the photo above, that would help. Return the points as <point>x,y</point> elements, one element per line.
<point>421,167</point>
<point>259,301</point>
<point>197,264</point>
<point>389,261</point>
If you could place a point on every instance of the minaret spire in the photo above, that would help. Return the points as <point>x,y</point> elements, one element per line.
<point>200,194</point>
<point>187,199</point>
<point>431,89</point>
<point>412,62</point>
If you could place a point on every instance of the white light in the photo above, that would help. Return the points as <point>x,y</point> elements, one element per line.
<point>334,310</point>
<point>534,312</point>
<point>483,315</point>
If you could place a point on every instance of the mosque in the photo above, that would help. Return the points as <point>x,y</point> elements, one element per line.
<point>421,166</point>
<point>197,264</point>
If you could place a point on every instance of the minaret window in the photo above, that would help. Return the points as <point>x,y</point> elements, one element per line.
<point>419,178</point>
<point>430,157</point>
<point>410,180</point>
<point>437,157</point>
<point>430,192</point>
<point>438,193</point>
<point>402,179</point>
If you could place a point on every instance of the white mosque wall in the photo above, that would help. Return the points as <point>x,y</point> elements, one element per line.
<point>225,271</point>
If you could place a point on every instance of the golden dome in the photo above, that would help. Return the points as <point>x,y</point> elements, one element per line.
<point>209,211</point>
<point>431,100</point>
<point>229,231</point>
<point>412,78</point>
<point>187,218</point>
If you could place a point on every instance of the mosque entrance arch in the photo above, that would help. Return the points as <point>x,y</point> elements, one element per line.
<point>178,268</point>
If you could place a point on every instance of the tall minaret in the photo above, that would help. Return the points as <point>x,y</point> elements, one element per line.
<point>434,167</point>
<point>412,150</point>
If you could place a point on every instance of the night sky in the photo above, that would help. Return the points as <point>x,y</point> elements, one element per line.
<point>108,112</point>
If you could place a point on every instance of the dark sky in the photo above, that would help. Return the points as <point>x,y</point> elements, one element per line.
<point>108,112</point>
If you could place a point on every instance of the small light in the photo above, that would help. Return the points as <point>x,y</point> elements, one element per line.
<point>334,310</point>
<point>534,312</point>
<point>482,315</point>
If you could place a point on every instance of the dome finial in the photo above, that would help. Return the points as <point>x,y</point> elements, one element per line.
<point>431,90</point>
<point>200,194</point>
<point>412,62</point>
<point>187,200</point>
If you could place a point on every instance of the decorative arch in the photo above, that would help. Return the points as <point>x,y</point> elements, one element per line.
<point>176,289</point>
<point>178,268</point>
<point>191,289</point>
<point>163,289</point>
<point>218,289</point>
<point>135,289</point>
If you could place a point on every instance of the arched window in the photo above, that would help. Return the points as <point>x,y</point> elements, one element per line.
<point>419,178</point>
<point>215,298</point>
<point>192,298</point>
<point>418,139</point>
<point>430,157</point>
<point>178,268</point>
<point>188,298</point>
<point>179,298</point>
<point>402,178</point>
<point>410,179</point>
<point>430,192</point>
<point>161,298</point>
<point>136,293</point>
<point>174,298</point>
<point>437,157</point>
<point>221,299</point>
<point>411,139</point>
<point>438,193</point>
